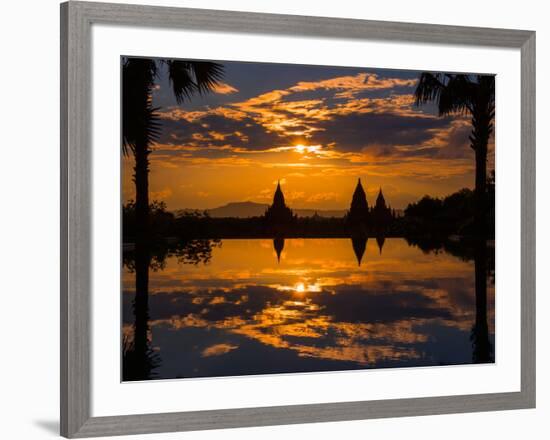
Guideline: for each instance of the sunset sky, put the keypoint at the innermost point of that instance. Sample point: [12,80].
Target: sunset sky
[315,128]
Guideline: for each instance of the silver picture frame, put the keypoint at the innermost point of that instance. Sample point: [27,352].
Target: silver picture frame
[77,19]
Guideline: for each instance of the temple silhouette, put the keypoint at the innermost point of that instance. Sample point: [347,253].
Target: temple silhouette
[358,214]
[381,214]
[279,218]
[360,219]
[278,212]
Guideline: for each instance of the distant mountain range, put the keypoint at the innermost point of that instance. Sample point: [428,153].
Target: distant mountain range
[252,209]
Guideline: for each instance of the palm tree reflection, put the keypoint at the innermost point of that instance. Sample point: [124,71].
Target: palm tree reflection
[139,359]
[480,331]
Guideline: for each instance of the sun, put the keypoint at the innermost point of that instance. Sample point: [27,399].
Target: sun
[304,149]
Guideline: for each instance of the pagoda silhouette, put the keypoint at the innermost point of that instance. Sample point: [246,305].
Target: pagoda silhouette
[361,219]
[358,215]
[381,214]
[278,216]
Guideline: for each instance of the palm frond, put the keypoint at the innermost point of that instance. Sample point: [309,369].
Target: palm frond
[487,86]
[453,93]
[207,75]
[457,96]
[140,122]
[429,88]
[190,77]
[181,79]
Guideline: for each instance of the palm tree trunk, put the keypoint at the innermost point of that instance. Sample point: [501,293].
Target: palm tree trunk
[141,170]
[482,127]
[480,191]
[141,310]
[481,122]
[480,330]
[141,178]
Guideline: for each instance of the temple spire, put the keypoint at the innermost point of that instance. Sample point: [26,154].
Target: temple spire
[359,208]
[380,199]
[278,215]
[381,213]
[278,197]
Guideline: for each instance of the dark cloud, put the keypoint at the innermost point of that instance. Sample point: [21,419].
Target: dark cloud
[356,131]
[217,131]
[353,304]
[344,303]
[382,132]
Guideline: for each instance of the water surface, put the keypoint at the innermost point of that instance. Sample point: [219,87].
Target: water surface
[303,305]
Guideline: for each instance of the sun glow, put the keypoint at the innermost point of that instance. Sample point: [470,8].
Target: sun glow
[305,149]
[301,288]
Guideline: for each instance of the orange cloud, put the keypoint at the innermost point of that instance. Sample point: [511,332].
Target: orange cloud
[163,194]
[351,85]
[218,349]
[295,118]
[224,89]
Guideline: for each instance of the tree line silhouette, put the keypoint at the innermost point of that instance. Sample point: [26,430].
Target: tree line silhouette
[433,217]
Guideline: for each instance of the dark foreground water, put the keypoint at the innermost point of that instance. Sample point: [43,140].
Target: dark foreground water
[232,308]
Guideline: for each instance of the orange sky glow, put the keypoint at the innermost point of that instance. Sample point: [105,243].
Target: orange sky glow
[316,129]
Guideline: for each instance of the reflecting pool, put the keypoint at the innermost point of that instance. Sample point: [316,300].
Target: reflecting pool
[259,306]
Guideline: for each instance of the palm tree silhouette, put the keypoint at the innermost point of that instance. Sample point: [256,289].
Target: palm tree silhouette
[140,120]
[470,94]
[139,360]
[482,349]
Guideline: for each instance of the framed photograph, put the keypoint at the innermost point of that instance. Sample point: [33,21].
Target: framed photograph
[273,219]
